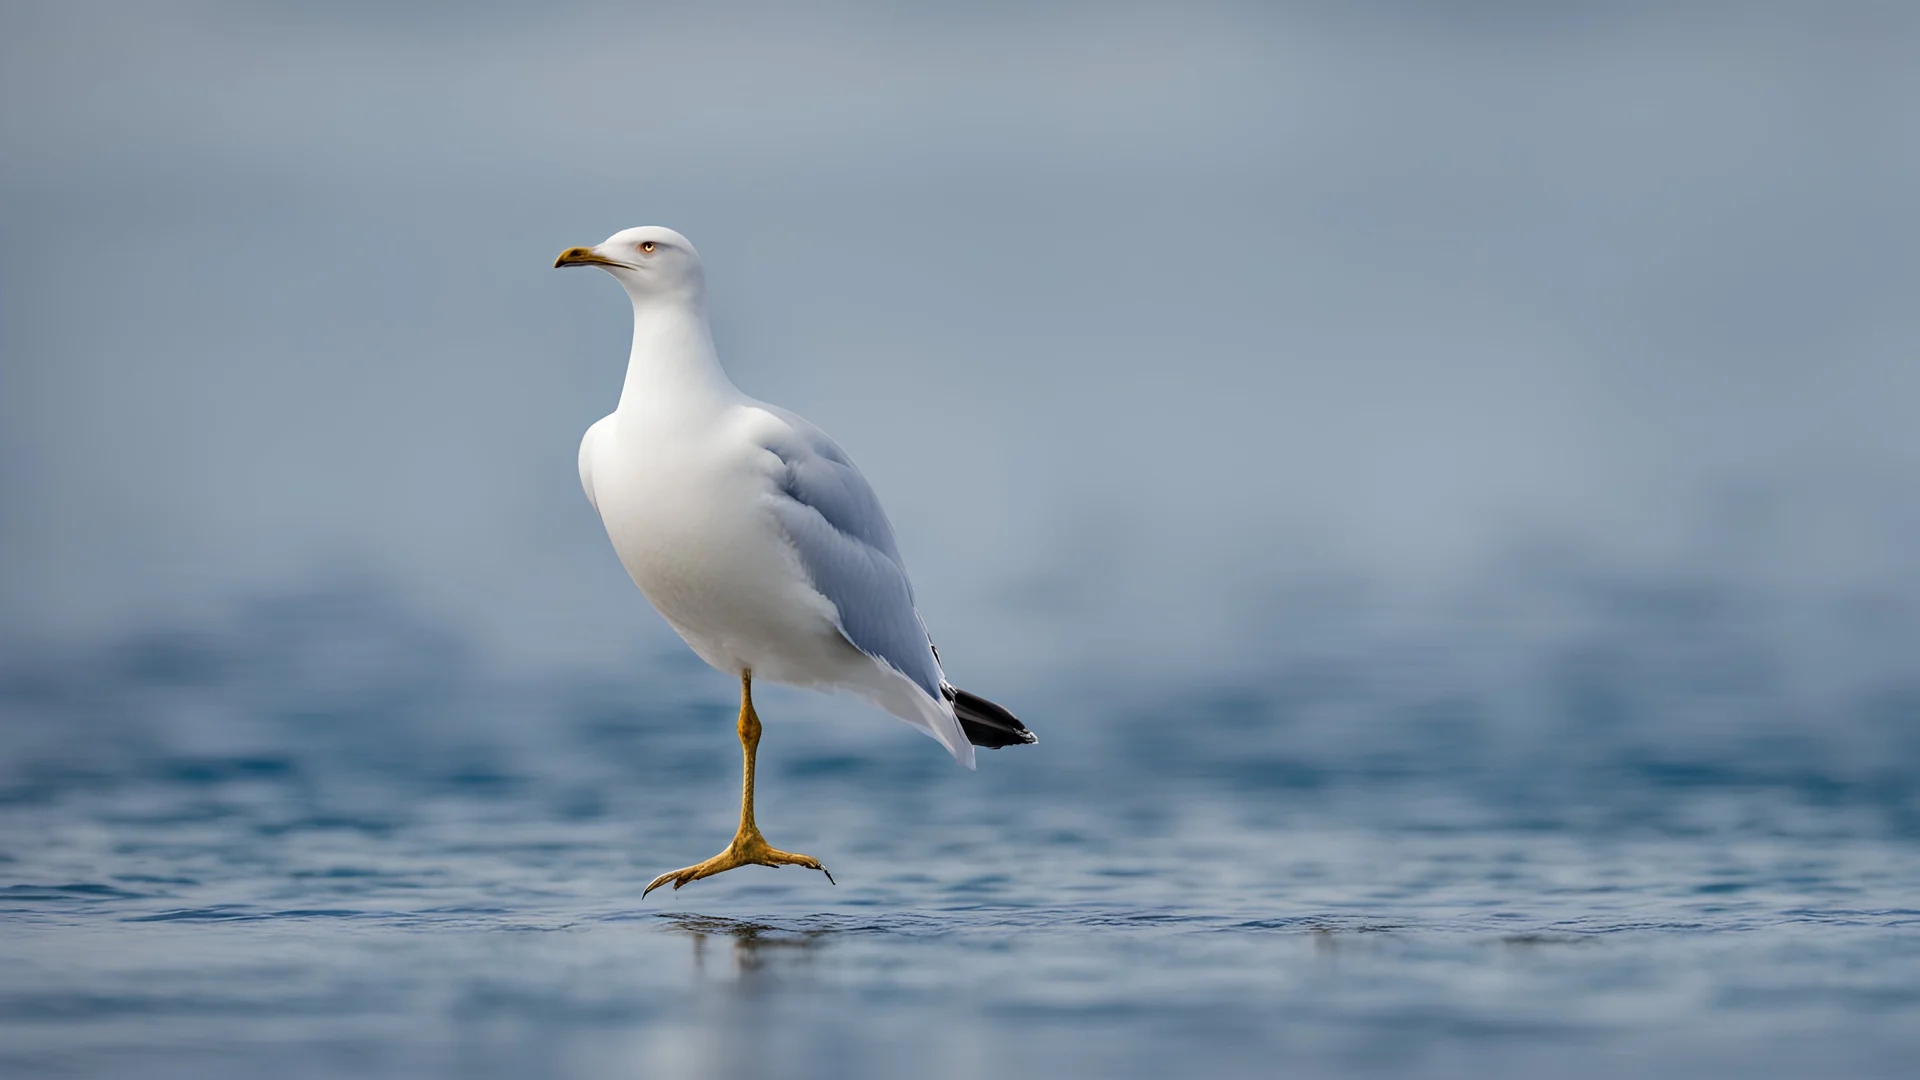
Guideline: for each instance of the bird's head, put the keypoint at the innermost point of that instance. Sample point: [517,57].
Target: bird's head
[649,261]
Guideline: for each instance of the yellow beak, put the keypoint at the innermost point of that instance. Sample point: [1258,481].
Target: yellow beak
[585,257]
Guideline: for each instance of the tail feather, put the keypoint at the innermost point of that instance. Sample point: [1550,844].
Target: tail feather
[984,723]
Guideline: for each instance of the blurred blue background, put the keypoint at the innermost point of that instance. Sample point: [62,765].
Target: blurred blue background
[1441,479]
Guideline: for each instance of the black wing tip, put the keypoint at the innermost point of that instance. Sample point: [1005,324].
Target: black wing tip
[986,724]
[993,738]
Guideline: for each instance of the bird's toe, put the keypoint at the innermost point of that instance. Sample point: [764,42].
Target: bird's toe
[776,857]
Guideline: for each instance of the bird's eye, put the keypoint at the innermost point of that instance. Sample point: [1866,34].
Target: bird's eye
[647,245]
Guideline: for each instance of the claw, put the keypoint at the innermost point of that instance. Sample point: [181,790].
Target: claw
[747,848]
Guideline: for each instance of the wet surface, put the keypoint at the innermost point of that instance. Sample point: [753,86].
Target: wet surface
[368,867]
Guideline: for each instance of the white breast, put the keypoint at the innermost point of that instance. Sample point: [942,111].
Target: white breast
[687,507]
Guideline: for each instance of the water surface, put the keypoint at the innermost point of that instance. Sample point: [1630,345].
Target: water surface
[248,858]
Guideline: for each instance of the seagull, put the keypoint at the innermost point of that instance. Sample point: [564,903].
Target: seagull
[754,535]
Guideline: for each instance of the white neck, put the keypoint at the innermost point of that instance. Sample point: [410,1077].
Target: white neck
[673,366]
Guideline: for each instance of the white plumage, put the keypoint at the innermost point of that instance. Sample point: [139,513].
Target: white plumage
[748,528]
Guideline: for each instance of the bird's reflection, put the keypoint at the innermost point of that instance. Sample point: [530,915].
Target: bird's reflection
[756,951]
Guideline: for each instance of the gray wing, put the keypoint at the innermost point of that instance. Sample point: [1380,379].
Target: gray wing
[846,545]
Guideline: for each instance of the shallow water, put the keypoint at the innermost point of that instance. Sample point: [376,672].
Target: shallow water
[235,860]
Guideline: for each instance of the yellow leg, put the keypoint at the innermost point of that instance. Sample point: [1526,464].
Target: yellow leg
[748,845]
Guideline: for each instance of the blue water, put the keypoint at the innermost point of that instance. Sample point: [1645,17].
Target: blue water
[325,842]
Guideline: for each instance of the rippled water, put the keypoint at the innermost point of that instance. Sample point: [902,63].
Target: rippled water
[243,857]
